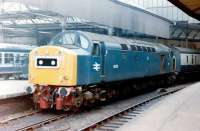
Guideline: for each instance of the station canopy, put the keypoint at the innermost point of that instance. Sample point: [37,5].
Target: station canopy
[16,14]
[18,19]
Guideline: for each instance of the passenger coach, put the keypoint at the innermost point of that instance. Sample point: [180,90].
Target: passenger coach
[14,60]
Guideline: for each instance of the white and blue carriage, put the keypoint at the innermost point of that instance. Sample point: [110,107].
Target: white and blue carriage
[14,60]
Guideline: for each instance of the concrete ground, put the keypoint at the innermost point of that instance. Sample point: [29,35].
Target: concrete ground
[12,88]
[178,112]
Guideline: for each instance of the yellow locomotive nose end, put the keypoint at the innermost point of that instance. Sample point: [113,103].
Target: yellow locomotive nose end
[53,65]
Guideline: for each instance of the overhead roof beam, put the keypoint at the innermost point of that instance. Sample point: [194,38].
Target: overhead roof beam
[196,9]
[184,8]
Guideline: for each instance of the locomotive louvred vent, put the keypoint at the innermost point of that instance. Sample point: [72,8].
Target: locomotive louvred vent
[47,62]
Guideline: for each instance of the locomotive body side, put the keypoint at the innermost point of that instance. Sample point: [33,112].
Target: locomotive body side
[127,64]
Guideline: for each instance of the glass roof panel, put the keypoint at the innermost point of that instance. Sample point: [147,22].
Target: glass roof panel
[6,7]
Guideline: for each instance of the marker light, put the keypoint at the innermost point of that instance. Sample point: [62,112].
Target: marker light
[30,89]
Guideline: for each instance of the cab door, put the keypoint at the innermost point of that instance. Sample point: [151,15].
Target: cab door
[162,64]
[97,63]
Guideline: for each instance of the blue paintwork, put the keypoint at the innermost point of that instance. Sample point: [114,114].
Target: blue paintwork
[83,77]
[133,64]
[117,64]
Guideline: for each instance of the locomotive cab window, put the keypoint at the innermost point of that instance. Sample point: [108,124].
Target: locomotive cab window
[64,39]
[96,49]
[84,43]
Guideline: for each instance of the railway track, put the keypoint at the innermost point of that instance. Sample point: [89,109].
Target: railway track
[120,118]
[42,123]
[16,116]
[99,117]
[32,121]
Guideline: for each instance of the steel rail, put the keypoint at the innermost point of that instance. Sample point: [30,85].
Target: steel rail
[42,123]
[123,112]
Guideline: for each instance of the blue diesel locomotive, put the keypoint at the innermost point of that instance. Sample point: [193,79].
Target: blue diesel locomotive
[76,67]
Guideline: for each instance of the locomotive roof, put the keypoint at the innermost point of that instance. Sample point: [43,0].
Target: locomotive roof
[113,39]
[5,46]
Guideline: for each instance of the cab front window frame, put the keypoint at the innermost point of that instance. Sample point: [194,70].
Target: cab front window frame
[71,39]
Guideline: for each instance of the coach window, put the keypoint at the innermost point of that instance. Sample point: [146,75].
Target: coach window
[192,59]
[195,59]
[96,49]
[9,58]
[17,59]
[1,58]
[187,59]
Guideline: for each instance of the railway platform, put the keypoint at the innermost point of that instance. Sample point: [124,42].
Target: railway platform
[12,88]
[177,112]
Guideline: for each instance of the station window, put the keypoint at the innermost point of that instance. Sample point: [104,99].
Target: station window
[133,47]
[124,46]
[9,58]
[96,49]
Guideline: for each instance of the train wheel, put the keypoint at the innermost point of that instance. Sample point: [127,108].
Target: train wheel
[35,101]
[78,101]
